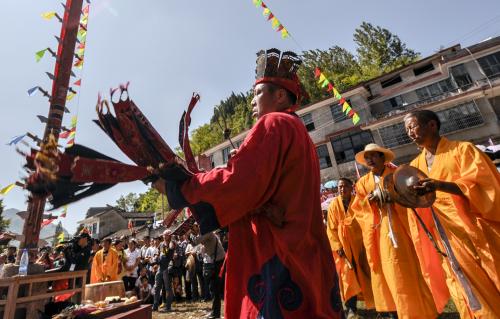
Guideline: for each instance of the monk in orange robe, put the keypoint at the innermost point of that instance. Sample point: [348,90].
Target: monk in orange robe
[467,186]
[397,281]
[349,253]
[105,264]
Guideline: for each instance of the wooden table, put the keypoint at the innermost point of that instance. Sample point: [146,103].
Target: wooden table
[143,312]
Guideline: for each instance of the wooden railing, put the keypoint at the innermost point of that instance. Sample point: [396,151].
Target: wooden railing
[20,289]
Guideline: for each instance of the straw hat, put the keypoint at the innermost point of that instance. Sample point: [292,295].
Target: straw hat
[360,157]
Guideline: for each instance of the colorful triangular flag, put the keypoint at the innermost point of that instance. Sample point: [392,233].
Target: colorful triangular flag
[7,189]
[39,55]
[48,15]
[257,3]
[355,118]
[78,82]
[64,212]
[32,91]
[74,121]
[60,238]
[275,23]
[284,33]
[16,139]
[70,96]
[345,105]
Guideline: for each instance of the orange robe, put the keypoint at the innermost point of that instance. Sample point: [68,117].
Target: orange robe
[397,281]
[471,222]
[344,232]
[104,269]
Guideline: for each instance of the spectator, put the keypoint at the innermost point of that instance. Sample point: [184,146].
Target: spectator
[11,255]
[132,256]
[145,246]
[212,262]
[145,291]
[3,259]
[175,270]
[191,278]
[162,280]
[152,252]
[44,258]
[118,245]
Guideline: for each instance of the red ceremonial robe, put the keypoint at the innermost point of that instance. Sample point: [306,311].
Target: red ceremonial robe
[272,272]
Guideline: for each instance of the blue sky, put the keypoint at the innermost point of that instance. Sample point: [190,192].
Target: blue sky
[168,49]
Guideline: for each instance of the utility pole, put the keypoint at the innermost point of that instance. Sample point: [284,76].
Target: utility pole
[60,86]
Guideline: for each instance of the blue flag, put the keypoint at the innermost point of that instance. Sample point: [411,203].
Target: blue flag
[32,91]
[16,139]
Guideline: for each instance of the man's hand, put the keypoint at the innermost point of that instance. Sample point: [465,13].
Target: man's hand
[426,185]
[341,252]
[233,152]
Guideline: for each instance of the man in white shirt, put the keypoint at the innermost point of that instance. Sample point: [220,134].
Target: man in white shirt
[133,256]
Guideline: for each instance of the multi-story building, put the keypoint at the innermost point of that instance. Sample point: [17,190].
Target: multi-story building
[461,84]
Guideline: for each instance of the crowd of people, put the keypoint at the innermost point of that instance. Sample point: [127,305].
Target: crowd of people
[157,270]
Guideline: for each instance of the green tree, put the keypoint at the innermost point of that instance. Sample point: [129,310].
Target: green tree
[380,51]
[338,64]
[127,202]
[148,201]
[4,223]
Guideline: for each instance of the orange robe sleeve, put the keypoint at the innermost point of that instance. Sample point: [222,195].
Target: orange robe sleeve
[332,228]
[479,181]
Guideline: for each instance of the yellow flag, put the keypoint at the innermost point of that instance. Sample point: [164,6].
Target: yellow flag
[48,15]
[322,78]
[60,238]
[70,96]
[345,106]
[275,23]
[7,189]
[284,33]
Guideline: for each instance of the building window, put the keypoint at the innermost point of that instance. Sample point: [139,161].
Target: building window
[211,159]
[460,117]
[323,156]
[93,229]
[347,145]
[491,65]
[423,69]
[225,154]
[308,121]
[393,103]
[435,89]
[394,135]
[337,114]
[394,80]
[461,76]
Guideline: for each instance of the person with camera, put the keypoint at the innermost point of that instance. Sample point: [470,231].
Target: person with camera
[213,258]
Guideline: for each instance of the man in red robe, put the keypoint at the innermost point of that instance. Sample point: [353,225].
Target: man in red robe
[274,269]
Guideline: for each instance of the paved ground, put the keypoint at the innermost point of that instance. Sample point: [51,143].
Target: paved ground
[201,309]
